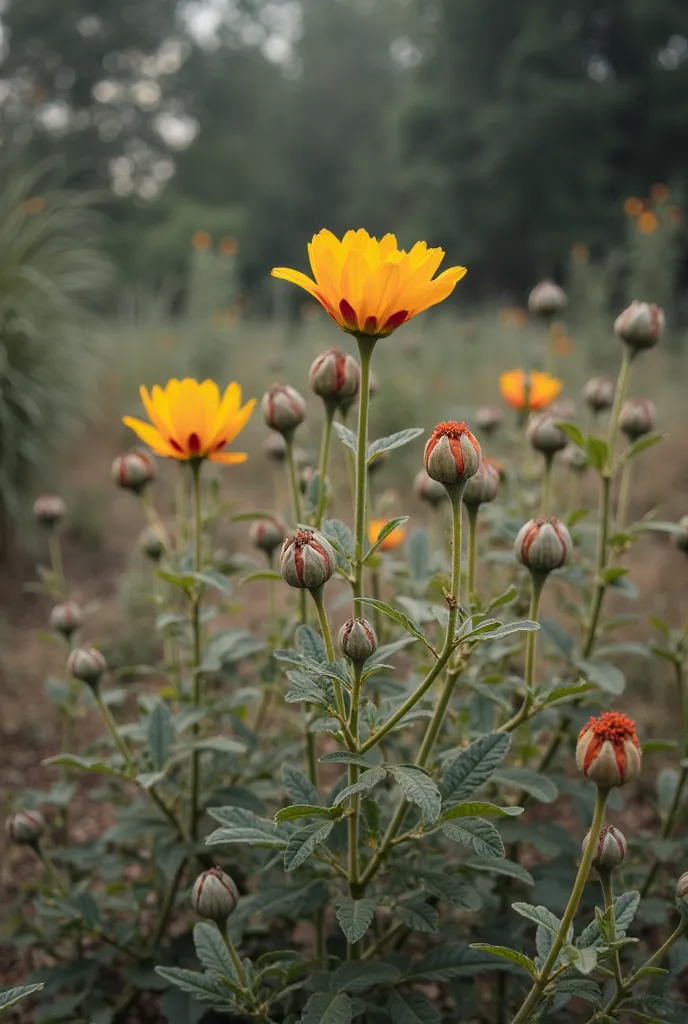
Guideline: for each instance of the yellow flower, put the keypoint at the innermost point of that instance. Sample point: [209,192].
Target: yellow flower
[391,541]
[190,420]
[541,388]
[369,286]
[647,223]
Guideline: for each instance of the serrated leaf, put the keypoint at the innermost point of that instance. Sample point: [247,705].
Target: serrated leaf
[299,786]
[346,436]
[478,809]
[497,866]
[212,951]
[507,954]
[472,767]
[243,826]
[160,735]
[504,629]
[341,536]
[303,842]
[418,916]
[359,975]
[403,620]
[477,834]
[367,781]
[311,645]
[355,916]
[328,1007]
[419,789]
[453,889]
[201,986]
[535,784]
[452,960]
[296,811]
[345,757]
[411,1007]
[12,995]
[540,915]
[397,440]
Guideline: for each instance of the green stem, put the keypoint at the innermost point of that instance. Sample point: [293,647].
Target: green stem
[196,657]
[607,892]
[330,410]
[526,1013]
[624,493]
[297,511]
[318,601]
[365,349]
[437,719]
[353,949]
[109,721]
[392,933]
[51,869]
[656,958]
[472,511]
[546,498]
[166,909]
[234,956]
[56,563]
[378,622]
[537,583]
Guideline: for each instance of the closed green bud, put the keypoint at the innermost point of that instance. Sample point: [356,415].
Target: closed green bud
[357,640]
[214,895]
[610,850]
[25,828]
[87,665]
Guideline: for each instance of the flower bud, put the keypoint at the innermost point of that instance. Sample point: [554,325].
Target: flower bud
[598,393]
[682,894]
[638,417]
[133,471]
[357,640]
[562,409]
[65,618]
[608,752]
[25,828]
[283,408]
[266,534]
[546,299]
[428,489]
[307,560]
[610,851]
[49,510]
[575,458]
[545,436]
[543,544]
[640,325]
[483,486]
[681,538]
[275,447]
[87,665]
[335,377]
[489,418]
[452,455]
[214,895]
[153,543]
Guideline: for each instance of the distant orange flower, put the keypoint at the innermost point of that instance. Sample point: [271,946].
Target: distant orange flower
[647,223]
[392,540]
[513,316]
[659,192]
[580,252]
[34,204]
[633,206]
[562,344]
[675,215]
[540,387]
[228,246]
[201,241]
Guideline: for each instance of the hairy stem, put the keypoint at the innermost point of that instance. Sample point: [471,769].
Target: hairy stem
[234,956]
[196,655]
[537,583]
[527,1011]
[472,511]
[655,959]
[607,892]
[365,350]
[546,496]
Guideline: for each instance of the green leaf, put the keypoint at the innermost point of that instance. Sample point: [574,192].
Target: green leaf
[388,528]
[411,1007]
[472,767]
[452,960]
[311,645]
[182,581]
[419,789]
[540,915]
[479,835]
[243,826]
[355,916]
[85,764]
[296,811]
[299,786]
[345,757]
[507,954]
[605,675]
[573,432]
[216,580]
[328,1007]
[497,866]
[212,951]
[583,960]
[262,574]
[160,735]
[562,693]
[597,451]
[12,995]
[656,526]
[346,436]
[386,444]
[403,620]
[647,441]
[582,989]
[302,843]
[509,595]
[419,916]
[535,784]
[574,517]
[203,987]
[305,688]
[478,809]
[341,537]
[452,889]
[367,781]
[504,629]
[359,975]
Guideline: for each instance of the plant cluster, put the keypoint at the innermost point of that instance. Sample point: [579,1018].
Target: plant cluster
[374,807]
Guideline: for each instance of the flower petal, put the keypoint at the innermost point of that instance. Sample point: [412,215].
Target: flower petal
[150,436]
[228,458]
[238,421]
[295,277]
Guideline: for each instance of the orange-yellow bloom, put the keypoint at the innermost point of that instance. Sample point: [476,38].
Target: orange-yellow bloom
[369,286]
[189,420]
[540,387]
[392,540]
[647,223]
[633,206]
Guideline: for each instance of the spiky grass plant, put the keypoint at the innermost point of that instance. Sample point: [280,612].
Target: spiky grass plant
[52,273]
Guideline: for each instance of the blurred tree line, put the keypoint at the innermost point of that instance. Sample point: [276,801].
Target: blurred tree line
[505,130]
